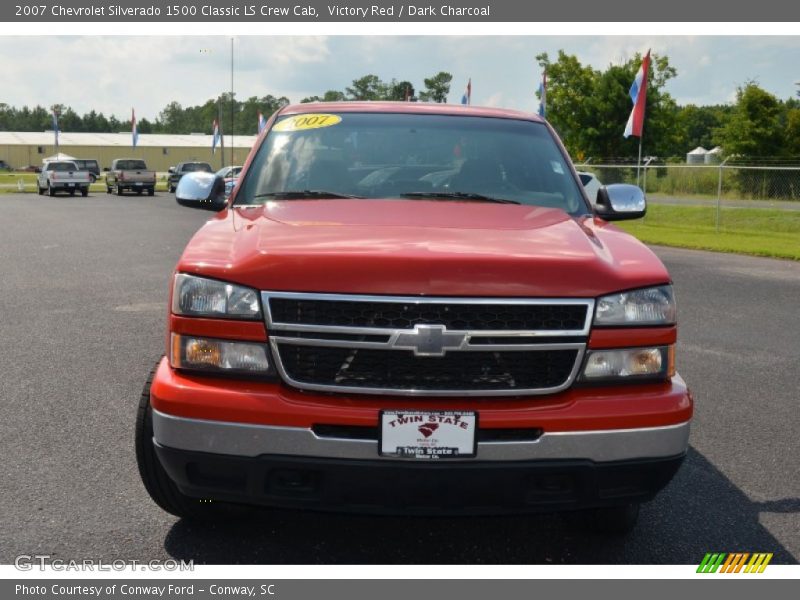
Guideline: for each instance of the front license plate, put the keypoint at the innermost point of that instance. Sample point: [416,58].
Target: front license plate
[428,434]
[138,183]
[70,185]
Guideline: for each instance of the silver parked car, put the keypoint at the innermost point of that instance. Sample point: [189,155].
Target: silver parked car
[591,184]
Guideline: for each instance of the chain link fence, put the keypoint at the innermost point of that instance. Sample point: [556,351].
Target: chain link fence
[721,188]
[726,180]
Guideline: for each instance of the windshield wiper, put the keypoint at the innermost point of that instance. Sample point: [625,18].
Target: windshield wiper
[458,196]
[300,194]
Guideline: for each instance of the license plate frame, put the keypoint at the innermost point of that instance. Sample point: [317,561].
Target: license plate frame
[425,434]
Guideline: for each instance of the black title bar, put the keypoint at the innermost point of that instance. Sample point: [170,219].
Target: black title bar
[215,11]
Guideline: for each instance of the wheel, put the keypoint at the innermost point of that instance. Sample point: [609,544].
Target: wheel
[151,191]
[50,190]
[119,190]
[139,192]
[108,189]
[155,479]
[72,192]
[85,192]
[38,189]
[171,188]
[609,520]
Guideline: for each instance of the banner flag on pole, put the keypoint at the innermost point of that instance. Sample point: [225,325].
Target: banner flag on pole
[134,129]
[467,97]
[262,122]
[215,139]
[638,93]
[55,127]
[543,95]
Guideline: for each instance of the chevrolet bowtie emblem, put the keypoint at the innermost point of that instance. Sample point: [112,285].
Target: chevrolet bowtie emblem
[429,340]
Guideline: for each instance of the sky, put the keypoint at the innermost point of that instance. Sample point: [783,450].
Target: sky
[116,73]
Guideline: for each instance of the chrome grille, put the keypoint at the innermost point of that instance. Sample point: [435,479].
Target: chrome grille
[404,315]
[427,346]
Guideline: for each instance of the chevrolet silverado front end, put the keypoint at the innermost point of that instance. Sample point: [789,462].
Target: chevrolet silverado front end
[414,309]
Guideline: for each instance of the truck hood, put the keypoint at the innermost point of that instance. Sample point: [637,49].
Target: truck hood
[413,247]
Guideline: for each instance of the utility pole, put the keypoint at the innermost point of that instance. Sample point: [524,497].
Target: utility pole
[222,131]
[233,105]
[56,109]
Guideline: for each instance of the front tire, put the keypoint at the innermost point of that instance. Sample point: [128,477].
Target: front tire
[50,191]
[155,479]
[119,190]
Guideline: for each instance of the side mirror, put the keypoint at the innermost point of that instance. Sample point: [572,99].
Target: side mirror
[201,190]
[171,170]
[619,202]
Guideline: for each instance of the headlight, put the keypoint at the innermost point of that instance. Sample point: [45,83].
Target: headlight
[200,297]
[650,306]
[205,354]
[629,363]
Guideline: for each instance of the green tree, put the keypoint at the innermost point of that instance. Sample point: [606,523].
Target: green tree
[172,119]
[6,117]
[400,90]
[698,124]
[754,128]
[329,96]
[248,116]
[70,121]
[436,88]
[793,132]
[369,87]
[589,107]
[143,125]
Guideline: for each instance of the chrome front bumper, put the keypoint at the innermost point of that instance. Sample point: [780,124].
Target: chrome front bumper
[248,440]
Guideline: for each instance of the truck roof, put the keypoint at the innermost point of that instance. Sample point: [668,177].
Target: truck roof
[424,108]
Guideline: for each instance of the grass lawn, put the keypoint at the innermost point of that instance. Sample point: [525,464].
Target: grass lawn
[756,231]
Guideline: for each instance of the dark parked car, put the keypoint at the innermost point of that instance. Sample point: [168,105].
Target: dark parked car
[175,173]
[4,166]
[89,164]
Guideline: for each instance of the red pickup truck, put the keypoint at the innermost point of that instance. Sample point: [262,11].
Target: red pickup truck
[414,308]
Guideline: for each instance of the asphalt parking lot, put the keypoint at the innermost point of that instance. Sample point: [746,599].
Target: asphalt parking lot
[82,316]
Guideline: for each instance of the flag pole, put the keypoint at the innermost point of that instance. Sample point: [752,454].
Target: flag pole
[222,136]
[639,162]
[233,107]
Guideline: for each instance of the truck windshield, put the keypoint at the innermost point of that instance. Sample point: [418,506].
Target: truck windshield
[431,157]
[131,165]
